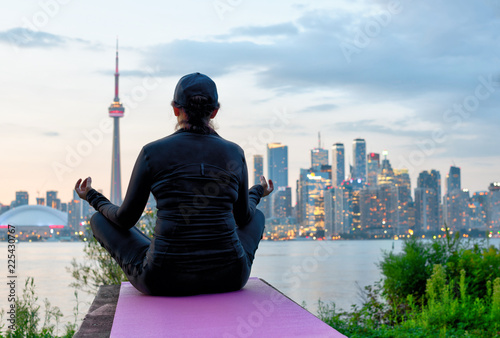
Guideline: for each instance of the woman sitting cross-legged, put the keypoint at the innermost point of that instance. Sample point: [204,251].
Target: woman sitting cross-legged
[207,228]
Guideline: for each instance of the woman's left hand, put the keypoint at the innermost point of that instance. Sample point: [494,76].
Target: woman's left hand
[268,187]
[84,188]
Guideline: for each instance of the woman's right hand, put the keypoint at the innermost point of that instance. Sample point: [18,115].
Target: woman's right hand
[84,188]
[268,187]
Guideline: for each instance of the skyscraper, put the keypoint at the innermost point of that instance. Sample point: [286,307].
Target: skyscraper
[453,180]
[427,201]
[455,201]
[344,208]
[277,162]
[319,156]
[373,166]
[258,168]
[283,202]
[116,111]
[494,206]
[386,174]
[478,210]
[379,204]
[310,195]
[359,159]
[52,200]
[258,171]
[338,164]
[403,184]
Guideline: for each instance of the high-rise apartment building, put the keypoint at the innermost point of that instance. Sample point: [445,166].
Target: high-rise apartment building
[453,180]
[455,201]
[373,168]
[494,206]
[258,168]
[283,202]
[22,198]
[478,210]
[338,164]
[310,194]
[345,208]
[427,201]
[405,201]
[52,200]
[75,214]
[359,160]
[379,204]
[329,202]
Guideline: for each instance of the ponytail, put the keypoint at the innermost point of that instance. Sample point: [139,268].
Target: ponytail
[198,110]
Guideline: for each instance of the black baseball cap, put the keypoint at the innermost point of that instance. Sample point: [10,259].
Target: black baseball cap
[195,84]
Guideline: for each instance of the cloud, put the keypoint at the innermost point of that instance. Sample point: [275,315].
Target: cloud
[283,29]
[401,128]
[402,59]
[27,38]
[426,57]
[23,37]
[22,129]
[326,107]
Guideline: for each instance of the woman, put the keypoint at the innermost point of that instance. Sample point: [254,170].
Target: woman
[207,228]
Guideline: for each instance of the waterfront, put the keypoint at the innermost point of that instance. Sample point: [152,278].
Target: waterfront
[305,271]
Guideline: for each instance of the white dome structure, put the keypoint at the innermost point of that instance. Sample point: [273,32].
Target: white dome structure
[34,215]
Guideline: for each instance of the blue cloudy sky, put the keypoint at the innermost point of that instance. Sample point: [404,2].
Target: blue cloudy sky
[420,79]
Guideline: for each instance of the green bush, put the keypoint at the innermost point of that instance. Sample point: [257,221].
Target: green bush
[28,316]
[441,288]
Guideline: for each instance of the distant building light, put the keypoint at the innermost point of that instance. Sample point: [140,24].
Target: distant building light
[313,177]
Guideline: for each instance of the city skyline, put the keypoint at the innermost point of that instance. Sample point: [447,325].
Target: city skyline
[381,209]
[417,79]
[282,149]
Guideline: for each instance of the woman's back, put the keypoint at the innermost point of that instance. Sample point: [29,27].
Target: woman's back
[195,176]
[196,180]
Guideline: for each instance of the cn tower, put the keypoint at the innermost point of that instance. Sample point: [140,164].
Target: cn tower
[116,111]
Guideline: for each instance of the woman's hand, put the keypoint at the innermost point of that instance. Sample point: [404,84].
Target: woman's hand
[84,188]
[268,187]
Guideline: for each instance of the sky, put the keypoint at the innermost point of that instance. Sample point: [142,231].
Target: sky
[418,79]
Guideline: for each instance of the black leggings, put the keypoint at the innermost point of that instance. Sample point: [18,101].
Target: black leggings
[129,249]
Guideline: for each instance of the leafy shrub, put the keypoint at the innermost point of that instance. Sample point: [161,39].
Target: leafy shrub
[446,287]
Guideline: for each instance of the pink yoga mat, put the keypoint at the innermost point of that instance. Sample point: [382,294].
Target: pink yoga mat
[258,310]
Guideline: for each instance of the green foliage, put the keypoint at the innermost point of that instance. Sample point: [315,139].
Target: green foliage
[28,316]
[495,301]
[407,273]
[439,288]
[98,267]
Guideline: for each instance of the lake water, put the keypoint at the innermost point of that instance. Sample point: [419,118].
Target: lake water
[305,271]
